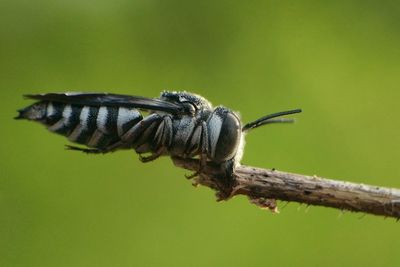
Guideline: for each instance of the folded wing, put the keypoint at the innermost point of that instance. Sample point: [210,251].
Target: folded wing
[111,100]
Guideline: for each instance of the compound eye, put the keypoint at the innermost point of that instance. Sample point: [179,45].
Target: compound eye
[229,138]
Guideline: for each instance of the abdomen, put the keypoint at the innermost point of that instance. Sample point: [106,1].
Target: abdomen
[95,127]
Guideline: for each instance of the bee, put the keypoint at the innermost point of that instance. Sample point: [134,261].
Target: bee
[178,124]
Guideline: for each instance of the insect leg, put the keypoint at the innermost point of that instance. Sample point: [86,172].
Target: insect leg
[162,139]
[193,146]
[228,168]
[134,134]
[204,151]
[86,150]
[204,146]
[152,157]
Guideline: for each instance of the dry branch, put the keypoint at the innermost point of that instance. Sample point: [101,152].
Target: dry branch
[264,186]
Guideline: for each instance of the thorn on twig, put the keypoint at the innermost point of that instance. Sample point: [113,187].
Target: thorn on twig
[285,205]
[307,209]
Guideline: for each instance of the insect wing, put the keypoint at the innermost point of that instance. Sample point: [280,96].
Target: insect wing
[111,100]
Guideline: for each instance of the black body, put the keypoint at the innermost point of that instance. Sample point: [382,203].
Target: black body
[178,124]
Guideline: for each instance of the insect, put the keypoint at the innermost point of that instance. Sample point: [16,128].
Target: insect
[177,124]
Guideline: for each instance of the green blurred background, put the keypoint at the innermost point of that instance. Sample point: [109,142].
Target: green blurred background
[338,60]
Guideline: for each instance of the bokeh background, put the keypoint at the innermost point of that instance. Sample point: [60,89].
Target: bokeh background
[338,60]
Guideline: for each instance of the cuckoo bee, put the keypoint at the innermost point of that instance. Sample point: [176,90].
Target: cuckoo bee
[177,124]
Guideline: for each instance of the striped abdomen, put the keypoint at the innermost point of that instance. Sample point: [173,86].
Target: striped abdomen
[92,126]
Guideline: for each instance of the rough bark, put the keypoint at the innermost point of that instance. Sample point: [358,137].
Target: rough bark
[264,186]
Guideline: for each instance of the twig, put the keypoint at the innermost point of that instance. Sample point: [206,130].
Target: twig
[263,186]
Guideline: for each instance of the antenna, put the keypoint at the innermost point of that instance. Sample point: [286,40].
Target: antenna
[270,119]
